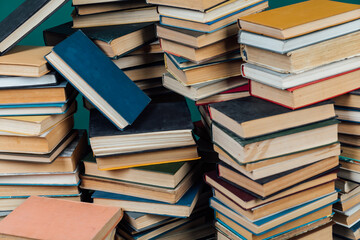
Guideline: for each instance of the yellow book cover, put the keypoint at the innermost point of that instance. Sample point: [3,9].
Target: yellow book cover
[301,18]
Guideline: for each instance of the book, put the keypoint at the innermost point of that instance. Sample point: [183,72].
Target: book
[33,125]
[138,15]
[289,80]
[52,179]
[252,117]
[347,199]
[275,144]
[264,226]
[202,90]
[86,9]
[67,161]
[145,72]
[167,175]
[39,157]
[12,82]
[182,209]
[216,24]
[112,40]
[353,176]
[231,94]
[323,232]
[11,203]
[191,74]
[349,139]
[345,186]
[34,222]
[158,193]
[42,144]
[84,2]
[144,221]
[306,94]
[270,185]
[288,45]
[300,18]
[138,60]
[268,167]
[44,94]
[350,100]
[199,55]
[25,18]
[349,128]
[85,77]
[227,8]
[194,38]
[305,58]
[348,217]
[348,114]
[161,126]
[344,232]
[248,201]
[195,5]
[25,61]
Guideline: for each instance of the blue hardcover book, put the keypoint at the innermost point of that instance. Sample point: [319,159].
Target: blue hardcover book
[93,74]
[181,209]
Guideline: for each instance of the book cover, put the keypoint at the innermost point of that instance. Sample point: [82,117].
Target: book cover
[157,117]
[15,23]
[102,76]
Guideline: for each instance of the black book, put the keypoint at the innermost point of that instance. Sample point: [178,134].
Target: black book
[24,19]
[252,117]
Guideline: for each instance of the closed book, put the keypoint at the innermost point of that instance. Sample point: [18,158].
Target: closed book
[308,94]
[25,61]
[35,218]
[301,18]
[239,115]
[199,5]
[182,209]
[350,100]
[288,45]
[112,40]
[12,82]
[24,19]
[86,9]
[162,125]
[83,65]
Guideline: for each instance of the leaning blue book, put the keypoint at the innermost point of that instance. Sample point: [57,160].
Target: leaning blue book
[99,80]
[182,209]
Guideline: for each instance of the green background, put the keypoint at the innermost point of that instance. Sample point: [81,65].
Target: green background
[63,15]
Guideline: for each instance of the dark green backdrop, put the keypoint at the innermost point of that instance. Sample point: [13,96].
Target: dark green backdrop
[63,15]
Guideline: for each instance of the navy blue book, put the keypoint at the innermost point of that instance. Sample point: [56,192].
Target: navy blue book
[99,80]
[183,208]
[113,40]
[24,19]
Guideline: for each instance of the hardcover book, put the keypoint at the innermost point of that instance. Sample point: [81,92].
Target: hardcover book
[96,76]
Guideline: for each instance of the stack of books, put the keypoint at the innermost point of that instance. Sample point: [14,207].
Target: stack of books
[269,181]
[201,53]
[90,13]
[278,168]
[39,150]
[347,211]
[46,218]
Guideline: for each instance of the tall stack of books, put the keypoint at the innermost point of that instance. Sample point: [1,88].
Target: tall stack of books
[201,51]
[269,182]
[39,150]
[347,209]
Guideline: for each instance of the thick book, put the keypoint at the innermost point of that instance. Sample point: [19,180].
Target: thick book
[182,209]
[24,19]
[35,218]
[306,58]
[216,24]
[289,80]
[275,144]
[91,72]
[161,125]
[199,5]
[288,45]
[112,40]
[86,9]
[203,90]
[350,100]
[310,93]
[190,73]
[300,18]
[228,8]
[251,117]
[25,61]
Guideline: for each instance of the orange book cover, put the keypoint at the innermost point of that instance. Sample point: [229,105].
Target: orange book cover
[49,218]
[295,15]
